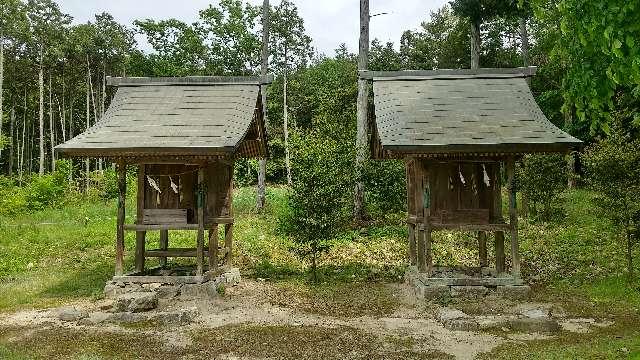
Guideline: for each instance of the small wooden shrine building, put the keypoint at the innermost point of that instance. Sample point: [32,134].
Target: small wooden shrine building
[456,129]
[183,135]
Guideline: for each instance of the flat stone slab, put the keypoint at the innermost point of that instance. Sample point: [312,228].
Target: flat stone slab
[136,302]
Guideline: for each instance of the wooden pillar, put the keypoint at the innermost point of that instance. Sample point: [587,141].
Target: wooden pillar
[164,245]
[213,248]
[497,210]
[140,235]
[411,210]
[201,206]
[422,228]
[513,223]
[228,229]
[482,249]
[122,199]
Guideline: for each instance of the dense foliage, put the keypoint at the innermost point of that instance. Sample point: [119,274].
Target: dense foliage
[542,178]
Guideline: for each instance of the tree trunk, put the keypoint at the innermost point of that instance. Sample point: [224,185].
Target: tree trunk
[1,82]
[21,147]
[41,111]
[86,161]
[12,143]
[52,131]
[363,111]
[476,43]
[262,171]
[524,38]
[286,122]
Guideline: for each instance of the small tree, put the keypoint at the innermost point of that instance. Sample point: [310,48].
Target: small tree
[613,170]
[321,195]
[542,178]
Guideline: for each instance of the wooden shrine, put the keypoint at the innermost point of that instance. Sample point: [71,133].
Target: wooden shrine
[183,135]
[457,130]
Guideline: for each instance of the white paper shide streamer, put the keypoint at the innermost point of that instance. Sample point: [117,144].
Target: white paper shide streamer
[487,180]
[153,184]
[174,187]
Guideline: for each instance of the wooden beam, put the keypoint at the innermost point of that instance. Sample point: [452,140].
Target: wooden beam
[122,200]
[497,217]
[501,281]
[471,227]
[513,215]
[190,80]
[419,201]
[201,206]
[164,245]
[213,247]
[413,218]
[140,235]
[228,228]
[482,249]
[135,227]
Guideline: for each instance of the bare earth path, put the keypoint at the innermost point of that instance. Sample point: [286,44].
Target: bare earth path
[257,320]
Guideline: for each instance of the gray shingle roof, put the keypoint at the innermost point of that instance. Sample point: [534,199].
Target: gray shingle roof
[172,116]
[458,112]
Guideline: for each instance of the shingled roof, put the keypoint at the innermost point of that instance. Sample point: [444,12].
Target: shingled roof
[192,116]
[487,111]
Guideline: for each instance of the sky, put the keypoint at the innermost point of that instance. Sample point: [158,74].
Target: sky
[329,22]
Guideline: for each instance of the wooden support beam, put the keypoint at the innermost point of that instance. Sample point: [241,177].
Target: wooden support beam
[228,243]
[140,235]
[413,219]
[122,200]
[164,245]
[213,247]
[482,248]
[201,206]
[498,218]
[412,244]
[428,248]
[419,179]
[513,215]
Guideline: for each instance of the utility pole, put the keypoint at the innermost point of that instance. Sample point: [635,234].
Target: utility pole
[363,110]
[262,171]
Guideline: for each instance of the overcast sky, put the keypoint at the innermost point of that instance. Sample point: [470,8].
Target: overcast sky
[329,22]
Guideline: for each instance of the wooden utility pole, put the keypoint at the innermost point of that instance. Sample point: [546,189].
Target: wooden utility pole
[363,110]
[262,172]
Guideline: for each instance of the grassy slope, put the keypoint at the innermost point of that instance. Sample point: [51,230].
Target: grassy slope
[61,255]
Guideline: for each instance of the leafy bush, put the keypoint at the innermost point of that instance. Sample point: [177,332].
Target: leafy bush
[321,198]
[613,170]
[542,178]
[386,187]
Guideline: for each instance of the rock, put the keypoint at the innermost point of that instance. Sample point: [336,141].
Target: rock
[95,319]
[151,287]
[105,305]
[71,314]
[492,322]
[112,291]
[168,292]
[180,318]
[207,290]
[124,317]
[232,277]
[433,292]
[536,314]
[136,302]
[541,325]
[513,292]
[469,292]
[448,314]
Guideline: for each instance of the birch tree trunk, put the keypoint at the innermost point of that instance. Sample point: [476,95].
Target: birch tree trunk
[476,43]
[52,132]
[1,81]
[41,111]
[21,147]
[262,171]
[86,161]
[12,143]
[286,120]
[363,111]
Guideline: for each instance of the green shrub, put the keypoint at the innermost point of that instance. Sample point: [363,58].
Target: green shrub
[386,187]
[613,170]
[541,178]
[320,201]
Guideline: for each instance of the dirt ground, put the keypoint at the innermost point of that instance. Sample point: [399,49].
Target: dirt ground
[261,320]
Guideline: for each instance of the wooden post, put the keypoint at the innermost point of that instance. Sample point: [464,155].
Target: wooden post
[228,243]
[213,248]
[482,249]
[262,171]
[122,199]
[411,197]
[201,206]
[164,245]
[497,204]
[140,235]
[363,110]
[423,227]
[513,214]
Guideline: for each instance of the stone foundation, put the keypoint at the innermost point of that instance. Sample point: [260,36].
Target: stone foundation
[132,297]
[469,284]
